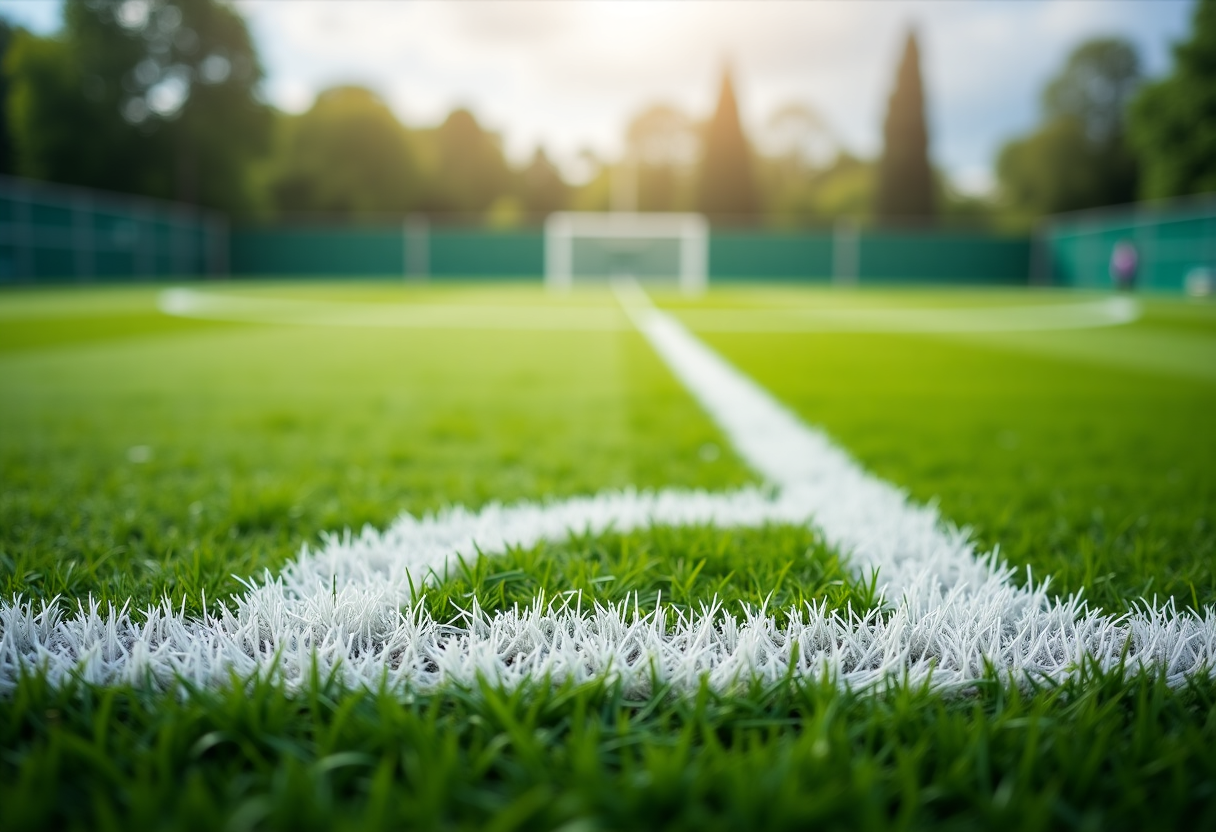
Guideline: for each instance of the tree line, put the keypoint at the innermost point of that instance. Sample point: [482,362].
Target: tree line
[160,97]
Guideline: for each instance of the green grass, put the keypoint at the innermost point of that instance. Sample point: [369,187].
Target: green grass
[260,438]
[1086,455]
[783,567]
[1101,754]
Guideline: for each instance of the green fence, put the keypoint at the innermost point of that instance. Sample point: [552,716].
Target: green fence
[940,257]
[387,251]
[757,255]
[845,255]
[849,254]
[1172,239]
[54,233]
[319,251]
[464,252]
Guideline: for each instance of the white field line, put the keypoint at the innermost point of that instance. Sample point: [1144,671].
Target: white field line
[191,303]
[350,608]
[1036,318]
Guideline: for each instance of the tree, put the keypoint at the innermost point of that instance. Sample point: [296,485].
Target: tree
[1051,170]
[1078,157]
[1173,122]
[7,154]
[799,138]
[906,187]
[844,190]
[144,96]
[470,172]
[347,156]
[798,147]
[1095,87]
[727,183]
[542,186]
[662,144]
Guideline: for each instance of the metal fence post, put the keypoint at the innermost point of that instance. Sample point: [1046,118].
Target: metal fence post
[846,252]
[1040,257]
[85,260]
[417,247]
[23,244]
[218,251]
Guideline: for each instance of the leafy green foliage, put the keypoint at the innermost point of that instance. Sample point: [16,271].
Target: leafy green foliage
[663,145]
[1174,120]
[1094,88]
[1078,157]
[843,189]
[155,99]
[7,153]
[542,186]
[348,156]
[470,171]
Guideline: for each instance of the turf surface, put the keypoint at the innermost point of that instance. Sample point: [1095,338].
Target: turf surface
[1088,455]
[144,455]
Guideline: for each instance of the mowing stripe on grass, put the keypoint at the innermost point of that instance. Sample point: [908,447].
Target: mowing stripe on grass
[1037,318]
[190,303]
[351,608]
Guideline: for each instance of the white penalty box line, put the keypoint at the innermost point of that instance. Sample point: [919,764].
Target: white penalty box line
[353,608]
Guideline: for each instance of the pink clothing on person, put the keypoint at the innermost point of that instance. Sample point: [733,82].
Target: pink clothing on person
[1124,261]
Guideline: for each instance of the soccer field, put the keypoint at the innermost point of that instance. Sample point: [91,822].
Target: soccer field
[541,657]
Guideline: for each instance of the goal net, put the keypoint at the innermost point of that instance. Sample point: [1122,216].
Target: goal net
[650,247]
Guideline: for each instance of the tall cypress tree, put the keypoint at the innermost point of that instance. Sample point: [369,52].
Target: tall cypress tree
[905,179]
[728,186]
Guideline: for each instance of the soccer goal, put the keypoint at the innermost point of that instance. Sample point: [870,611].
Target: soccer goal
[649,247]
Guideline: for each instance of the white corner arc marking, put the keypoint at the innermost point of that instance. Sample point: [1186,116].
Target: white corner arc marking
[349,608]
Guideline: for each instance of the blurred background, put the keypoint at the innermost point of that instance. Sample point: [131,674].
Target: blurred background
[817,127]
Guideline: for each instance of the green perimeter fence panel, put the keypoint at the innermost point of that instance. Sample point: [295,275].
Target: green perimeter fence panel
[319,251]
[466,252]
[53,233]
[1172,240]
[849,254]
[738,255]
[935,257]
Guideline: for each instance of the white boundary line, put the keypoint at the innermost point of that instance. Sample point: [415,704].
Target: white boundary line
[1114,311]
[191,303]
[349,608]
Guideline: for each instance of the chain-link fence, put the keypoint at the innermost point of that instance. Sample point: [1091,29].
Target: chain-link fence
[1174,244]
[56,233]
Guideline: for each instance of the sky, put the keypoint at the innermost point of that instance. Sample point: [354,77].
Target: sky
[568,75]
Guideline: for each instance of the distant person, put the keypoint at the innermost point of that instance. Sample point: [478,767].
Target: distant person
[1124,261]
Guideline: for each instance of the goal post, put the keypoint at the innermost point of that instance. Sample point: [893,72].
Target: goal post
[649,247]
